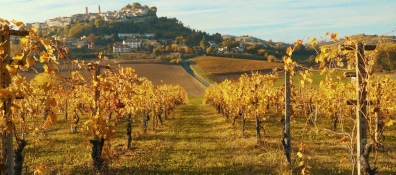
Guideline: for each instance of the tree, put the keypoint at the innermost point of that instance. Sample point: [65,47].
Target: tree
[180,40]
[136,5]
[153,9]
[271,58]
[99,22]
[209,50]
[188,50]
[167,48]
[91,38]
[386,58]
[202,44]
[251,49]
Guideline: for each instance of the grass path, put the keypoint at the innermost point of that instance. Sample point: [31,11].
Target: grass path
[194,141]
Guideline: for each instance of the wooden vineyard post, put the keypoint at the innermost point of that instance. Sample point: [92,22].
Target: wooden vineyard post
[286,121]
[361,121]
[5,80]
[361,103]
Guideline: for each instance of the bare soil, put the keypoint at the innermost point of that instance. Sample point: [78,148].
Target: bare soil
[160,73]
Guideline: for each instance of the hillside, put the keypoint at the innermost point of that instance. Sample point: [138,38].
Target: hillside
[218,69]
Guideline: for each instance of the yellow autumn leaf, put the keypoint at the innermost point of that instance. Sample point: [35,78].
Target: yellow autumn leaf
[19,56]
[24,41]
[289,51]
[303,171]
[324,70]
[289,60]
[33,30]
[12,69]
[347,38]
[313,42]
[388,122]
[17,23]
[299,154]
[100,55]
[301,163]
[334,36]
[44,57]
[297,43]
[340,64]
[309,80]
[1,50]
[48,69]
[326,34]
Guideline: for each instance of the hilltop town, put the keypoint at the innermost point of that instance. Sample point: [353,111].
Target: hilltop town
[134,12]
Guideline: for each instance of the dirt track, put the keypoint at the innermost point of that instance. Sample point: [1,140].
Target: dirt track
[168,74]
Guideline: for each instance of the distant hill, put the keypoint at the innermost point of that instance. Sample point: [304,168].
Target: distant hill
[244,38]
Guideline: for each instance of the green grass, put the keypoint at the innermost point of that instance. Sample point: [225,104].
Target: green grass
[197,140]
[316,78]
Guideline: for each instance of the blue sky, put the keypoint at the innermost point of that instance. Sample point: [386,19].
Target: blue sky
[279,20]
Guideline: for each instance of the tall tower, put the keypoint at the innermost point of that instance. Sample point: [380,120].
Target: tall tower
[86,12]
[99,9]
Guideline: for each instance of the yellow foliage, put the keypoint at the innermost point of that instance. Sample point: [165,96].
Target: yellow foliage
[12,69]
[40,170]
[301,163]
[48,69]
[19,56]
[299,154]
[313,42]
[388,122]
[18,23]
[334,36]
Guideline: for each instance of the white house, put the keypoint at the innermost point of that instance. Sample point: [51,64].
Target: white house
[133,43]
[79,43]
[119,47]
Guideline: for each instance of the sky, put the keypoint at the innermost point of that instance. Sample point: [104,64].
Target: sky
[278,20]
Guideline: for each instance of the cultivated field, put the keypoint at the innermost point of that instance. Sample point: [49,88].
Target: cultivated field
[167,74]
[218,69]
